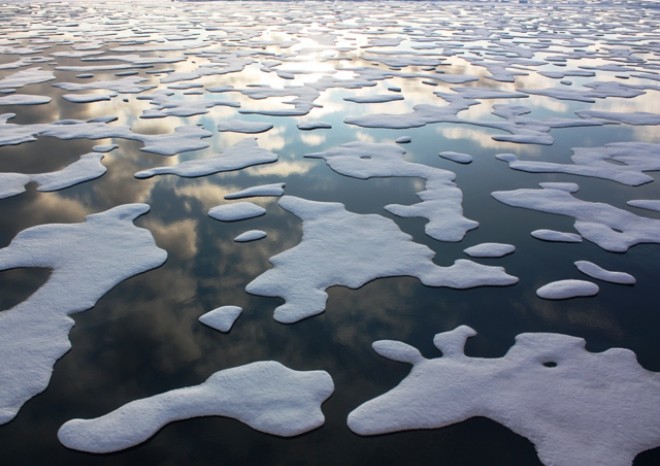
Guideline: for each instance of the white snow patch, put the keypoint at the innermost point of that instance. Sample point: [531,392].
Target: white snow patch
[490,250]
[250,235]
[243,126]
[648,204]
[221,318]
[458,157]
[271,190]
[236,211]
[24,99]
[558,236]
[566,289]
[596,271]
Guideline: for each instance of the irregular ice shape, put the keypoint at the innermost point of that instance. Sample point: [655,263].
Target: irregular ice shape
[441,199]
[87,259]
[25,77]
[599,90]
[312,124]
[89,98]
[576,407]
[624,162]
[403,140]
[125,85]
[343,248]
[490,250]
[374,99]
[265,395]
[458,157]
[251,235]
[272,190]
[236,211]
[649,204]
[242,126]
[566,289]
[611,228]
[559,236]
[24,99]
[244,153]
[88,167]
[629,118]
[596,271]
[222,318]
[184,139]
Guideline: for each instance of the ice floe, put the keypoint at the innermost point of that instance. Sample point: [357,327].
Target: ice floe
[441,199]
[566,289]
[557,236]
[348,249]
[87,259]
[24,99]
[458,157]
[648,204]
[596,271]
[265,395]
[575,406]
[243,126]
[236,211]
[250,235]
[611,228]
[490,250]
[272,190]
[244,153]
[25,77]
[222,318]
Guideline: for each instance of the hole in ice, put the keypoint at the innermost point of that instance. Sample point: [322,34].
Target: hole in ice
[550,364]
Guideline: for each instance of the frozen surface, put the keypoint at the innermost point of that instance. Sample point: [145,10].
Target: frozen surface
[557,236]
[250,235]
[243,126]
[265,395]
[596,271]
[343,248]
[573,405]
[648,204]
[24,99]
[441,200]
[236,211]
[273,190]
[490,250]
[222,318]
[458,157]
[87,259]
[245,153]
[566,289]
[611,228]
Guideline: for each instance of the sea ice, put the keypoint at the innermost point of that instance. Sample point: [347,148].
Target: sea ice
[559,236]
[87,259]
[648,204]
[222,318]
[244,153]
[310,125]
[458,157]
[576,407]
[629,118]
[25,77]
[374,99]
[236,211]
[126,85]
[243,126]
[566,289]
[265,395]
[441,199]
[270,190]
[596,271]
[611,228]
[348,249]
[490,250]
[89,98]
[250,235]
[24,99]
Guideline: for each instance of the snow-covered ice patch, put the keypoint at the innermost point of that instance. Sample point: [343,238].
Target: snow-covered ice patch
[458,157]
[221,318]
[271,190]
[265,395]
[557,236]
[236,211]
[250,235]
[596,271]
[648,204]
[566,289]
[490,250]
[243,126]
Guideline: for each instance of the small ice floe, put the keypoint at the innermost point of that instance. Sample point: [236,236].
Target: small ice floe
[403,140]
[245,153]
[88,167]
[87,259]
[125,85]
[648,204]
[566,289]
[348,249]
[597,90]
[89,98]
[596,271]
[26,77]
[265,395]
[490,250]
[312,125]
[24,99]
[557,236]
[244,126]
[458,157]
[611,228]
[269,190]
[221,318]
[575,406]
[183,139]
[250,235]
[236,211]
[374,99]
[167,103]
[628,118]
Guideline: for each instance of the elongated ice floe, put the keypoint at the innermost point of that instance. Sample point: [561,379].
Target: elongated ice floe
[273,190]
[265,395]
[566,289]
[245,153]
[558,236]
[87,259]
[575,406]
[648,204]
[611,228]
[348,249]
[441,200]
[236,211]
[24,99]
[458,157]
[88,167]
[624,162]
[490,250]
[250,235]
[221,318]
[596,271]
[243,126]
[25,77]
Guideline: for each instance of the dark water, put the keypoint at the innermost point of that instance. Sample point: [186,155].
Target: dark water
[143,336]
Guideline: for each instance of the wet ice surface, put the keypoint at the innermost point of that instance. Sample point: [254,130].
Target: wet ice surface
[391,96]
[590,425]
